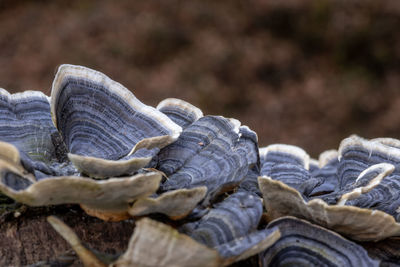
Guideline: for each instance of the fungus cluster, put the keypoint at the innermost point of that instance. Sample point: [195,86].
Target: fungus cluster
[93,143]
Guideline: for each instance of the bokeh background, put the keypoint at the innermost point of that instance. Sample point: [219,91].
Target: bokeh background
[308,73]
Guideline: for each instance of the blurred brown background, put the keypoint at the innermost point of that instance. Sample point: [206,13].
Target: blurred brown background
[307,73]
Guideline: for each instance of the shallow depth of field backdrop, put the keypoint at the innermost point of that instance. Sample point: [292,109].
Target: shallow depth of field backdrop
[307,73]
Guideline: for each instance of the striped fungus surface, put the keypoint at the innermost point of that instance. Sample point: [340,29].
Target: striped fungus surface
[355,222]
[326,173]
[368,175]
[230,226]
[107,130]
[213,151]
[211,156]
[357,154]
[288,164]
[99,126]
[385,196]
[305,244]
[25,122]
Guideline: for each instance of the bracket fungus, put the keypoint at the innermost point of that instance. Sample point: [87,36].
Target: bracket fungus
[358,223]
[326,173]
[202,179]
[25,122]
[176,204]
[364,173]
[304,244]
[110,196]
[107,130]
[211,156]
[209,152]
[282,153]
[289,164]
[180,111]
[230,227]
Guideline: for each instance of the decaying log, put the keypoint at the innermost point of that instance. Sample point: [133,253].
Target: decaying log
[27,238]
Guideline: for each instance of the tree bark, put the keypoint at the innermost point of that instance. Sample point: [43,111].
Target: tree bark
[27,238]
